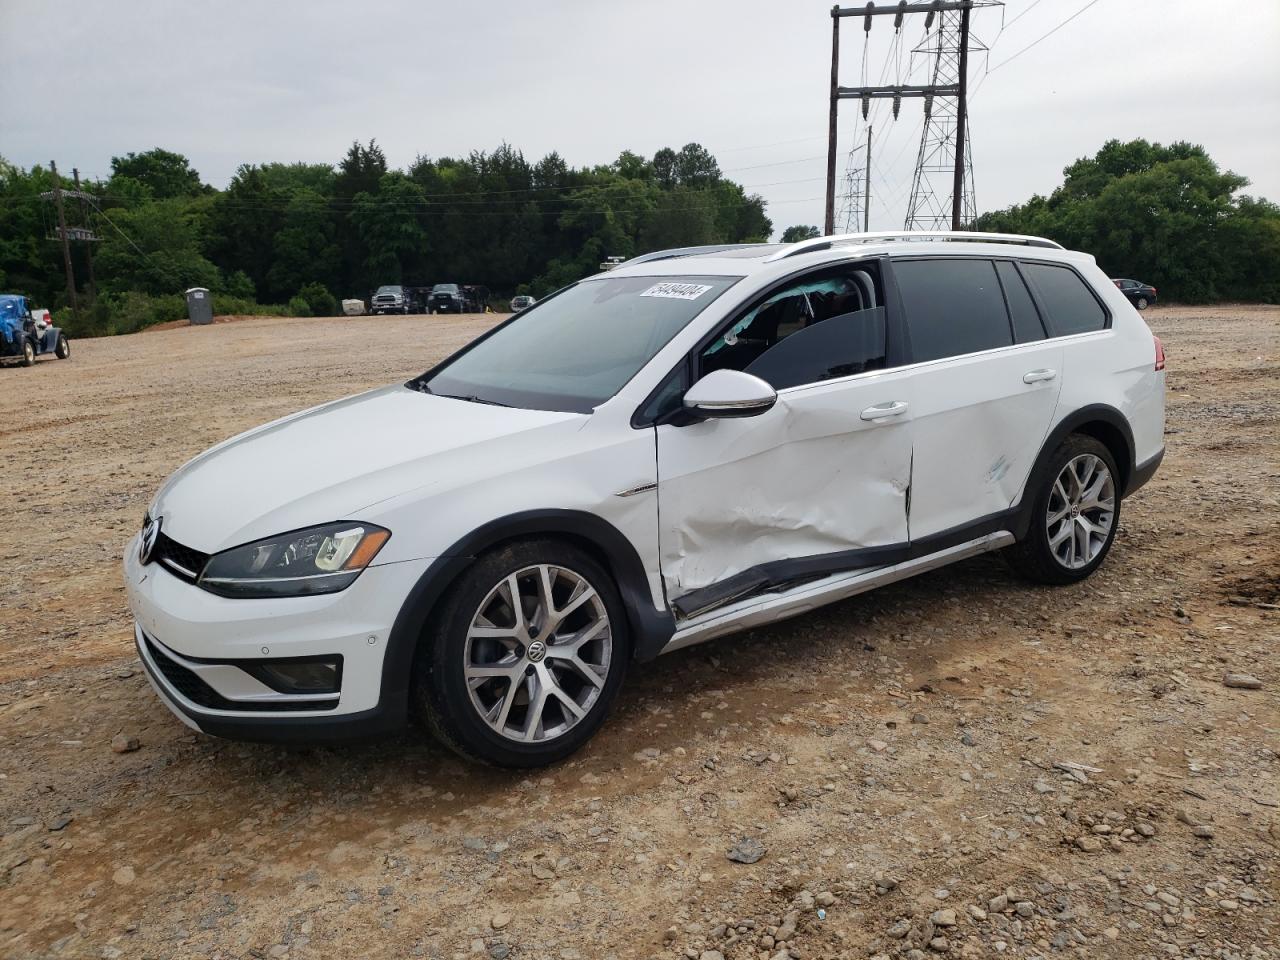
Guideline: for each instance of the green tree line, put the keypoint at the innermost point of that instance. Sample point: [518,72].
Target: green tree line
[303,235]
[1168,216]
[294,238]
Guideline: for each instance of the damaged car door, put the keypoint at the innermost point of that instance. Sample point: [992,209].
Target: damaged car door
[985,386]
[816,483]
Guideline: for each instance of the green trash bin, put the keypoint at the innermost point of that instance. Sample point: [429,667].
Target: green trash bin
[199,305]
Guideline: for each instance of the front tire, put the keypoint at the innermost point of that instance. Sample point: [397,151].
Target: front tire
[28,353]
[525,657]
[63,349]
[1074,516]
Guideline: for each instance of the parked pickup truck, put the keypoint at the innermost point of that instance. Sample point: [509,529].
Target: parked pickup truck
[392,298]
[448,298]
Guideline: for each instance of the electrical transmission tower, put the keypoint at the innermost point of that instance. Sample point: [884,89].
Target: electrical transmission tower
[856,205]
[943,145]
[939,176]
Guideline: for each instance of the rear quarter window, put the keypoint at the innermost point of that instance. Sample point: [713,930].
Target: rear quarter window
[1070,304]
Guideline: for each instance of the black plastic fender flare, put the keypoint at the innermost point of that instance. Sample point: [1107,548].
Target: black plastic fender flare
[1071,423]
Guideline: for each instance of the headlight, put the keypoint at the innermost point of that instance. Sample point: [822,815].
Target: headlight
[300,563]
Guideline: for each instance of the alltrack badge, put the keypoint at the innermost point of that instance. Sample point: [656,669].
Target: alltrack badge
[150,533]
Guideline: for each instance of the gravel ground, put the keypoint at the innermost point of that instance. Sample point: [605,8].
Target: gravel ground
[960,765]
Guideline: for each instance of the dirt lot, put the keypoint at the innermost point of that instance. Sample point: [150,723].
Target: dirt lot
[895,755]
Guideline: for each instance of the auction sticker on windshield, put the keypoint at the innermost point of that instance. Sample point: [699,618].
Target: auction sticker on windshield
[677,291]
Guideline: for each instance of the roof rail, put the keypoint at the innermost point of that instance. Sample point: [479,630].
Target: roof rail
[675,252]
[902,236]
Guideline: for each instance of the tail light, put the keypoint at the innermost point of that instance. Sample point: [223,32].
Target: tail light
[1159,353]
[1153,291]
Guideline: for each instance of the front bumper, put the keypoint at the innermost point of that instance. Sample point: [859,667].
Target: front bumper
[194,646]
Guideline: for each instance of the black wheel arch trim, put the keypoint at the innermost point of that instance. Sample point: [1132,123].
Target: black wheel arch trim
[650,628]
[1076,422]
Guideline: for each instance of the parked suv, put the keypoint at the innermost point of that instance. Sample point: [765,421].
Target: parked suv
[696,442]
[1140,294]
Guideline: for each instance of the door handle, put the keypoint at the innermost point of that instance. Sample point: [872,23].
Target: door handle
[1035,376]
[882,411]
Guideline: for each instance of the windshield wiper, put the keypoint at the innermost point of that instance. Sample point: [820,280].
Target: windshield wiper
[472,398]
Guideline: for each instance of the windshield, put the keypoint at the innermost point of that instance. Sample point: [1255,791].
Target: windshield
[389,290]
[445,288]
[575,350]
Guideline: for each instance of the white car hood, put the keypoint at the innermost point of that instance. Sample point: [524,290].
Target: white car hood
[330,462]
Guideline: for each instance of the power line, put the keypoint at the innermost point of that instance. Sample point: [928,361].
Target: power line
[1043,37]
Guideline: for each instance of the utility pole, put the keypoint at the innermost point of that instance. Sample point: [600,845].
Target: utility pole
[66,243]
[957,187]
[830,222]
[88,250]
[866,194]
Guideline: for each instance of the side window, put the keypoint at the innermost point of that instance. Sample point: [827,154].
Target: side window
[826,326]
[953,307]
[1027,327]
[1071,306]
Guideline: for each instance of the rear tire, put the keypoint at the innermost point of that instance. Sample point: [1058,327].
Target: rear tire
[1141,303]
[1074,516]
[523,684]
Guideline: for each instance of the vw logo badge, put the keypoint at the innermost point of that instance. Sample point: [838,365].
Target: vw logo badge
[150,533]
[537,650]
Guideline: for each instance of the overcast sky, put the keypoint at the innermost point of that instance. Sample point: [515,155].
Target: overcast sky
[232,82]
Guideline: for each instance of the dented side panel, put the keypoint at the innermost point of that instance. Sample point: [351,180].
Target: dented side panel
[978,429]
[806,478]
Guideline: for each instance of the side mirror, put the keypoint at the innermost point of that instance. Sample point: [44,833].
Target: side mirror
[729,393]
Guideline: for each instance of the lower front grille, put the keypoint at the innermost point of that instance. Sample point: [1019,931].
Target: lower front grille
[189,684]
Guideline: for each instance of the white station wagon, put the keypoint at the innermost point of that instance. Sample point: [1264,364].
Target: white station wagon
[696,442]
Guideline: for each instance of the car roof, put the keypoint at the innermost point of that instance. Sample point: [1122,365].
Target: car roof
[739,260]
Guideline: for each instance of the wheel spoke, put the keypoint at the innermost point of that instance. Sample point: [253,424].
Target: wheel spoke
[497,716]
[493,633]
[1094,528]
[570,704]
[589,672]
[488,671]
[1081,550]
[569,646]
[546,597]
[581,595]
[512,587]
[1056,539]
[537,703]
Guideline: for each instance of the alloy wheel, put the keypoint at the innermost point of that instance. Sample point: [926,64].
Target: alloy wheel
[538,653]
[1081,511]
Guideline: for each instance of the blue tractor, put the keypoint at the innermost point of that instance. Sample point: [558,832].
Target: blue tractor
[23,338]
